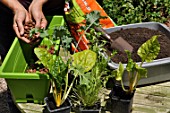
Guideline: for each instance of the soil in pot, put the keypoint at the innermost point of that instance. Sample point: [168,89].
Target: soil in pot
[33,67]
[136,37]
[52,108]
[121,102]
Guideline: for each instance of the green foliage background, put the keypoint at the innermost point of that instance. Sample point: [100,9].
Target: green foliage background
[135,11]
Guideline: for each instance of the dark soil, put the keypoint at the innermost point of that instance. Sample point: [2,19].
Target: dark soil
[27,29]
[34,67]
[136,37]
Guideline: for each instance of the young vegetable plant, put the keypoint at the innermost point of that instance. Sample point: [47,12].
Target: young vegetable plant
[91,68]
[87,31]
[58,65]
[93,76]
[147,52]
[89,65]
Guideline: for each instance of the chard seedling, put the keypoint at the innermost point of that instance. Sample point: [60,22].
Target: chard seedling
[57,65]
[148,51]
[93,74]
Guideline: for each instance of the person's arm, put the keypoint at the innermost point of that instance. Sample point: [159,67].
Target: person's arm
[20,16]
[36,13]
[12,4]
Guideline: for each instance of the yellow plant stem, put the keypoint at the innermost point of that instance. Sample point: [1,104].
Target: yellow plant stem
[57,96]
[58,99]
[137,78]
[123,86]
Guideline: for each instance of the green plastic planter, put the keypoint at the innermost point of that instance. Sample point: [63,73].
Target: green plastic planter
[26,87]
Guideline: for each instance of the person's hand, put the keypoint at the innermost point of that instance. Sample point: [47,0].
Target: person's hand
[21,16]
[35,10]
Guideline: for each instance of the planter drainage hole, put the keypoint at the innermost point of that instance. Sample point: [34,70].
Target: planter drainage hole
[29,98]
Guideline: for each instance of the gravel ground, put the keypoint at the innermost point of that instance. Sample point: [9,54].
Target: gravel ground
[4,108]
[6,103]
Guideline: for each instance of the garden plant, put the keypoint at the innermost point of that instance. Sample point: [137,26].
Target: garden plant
[88,67]
[134,11]
[148,51]
[93,70]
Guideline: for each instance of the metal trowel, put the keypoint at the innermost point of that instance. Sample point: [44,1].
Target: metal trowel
[119,43]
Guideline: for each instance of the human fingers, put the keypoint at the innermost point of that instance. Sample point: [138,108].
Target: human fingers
[28,18]
[16,29]
[20,26]
[25,39]
[43,23]
[20,17]
[37,21]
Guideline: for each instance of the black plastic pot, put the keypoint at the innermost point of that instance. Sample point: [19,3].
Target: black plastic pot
[51,106]
[93,109]
[121,102]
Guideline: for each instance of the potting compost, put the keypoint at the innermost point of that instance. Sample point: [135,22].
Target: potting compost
[136,37]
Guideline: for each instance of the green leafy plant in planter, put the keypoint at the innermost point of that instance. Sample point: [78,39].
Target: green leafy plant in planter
[61,64]
[88,67]
[134,11]
[58,66]
[121,95]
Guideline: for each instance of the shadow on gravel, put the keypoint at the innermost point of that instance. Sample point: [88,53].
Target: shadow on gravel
[6,103]
[11,104]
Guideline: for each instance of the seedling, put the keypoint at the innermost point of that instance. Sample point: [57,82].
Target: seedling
[88,65]
[57,66]
[91,65]
[93,75]
[147,52]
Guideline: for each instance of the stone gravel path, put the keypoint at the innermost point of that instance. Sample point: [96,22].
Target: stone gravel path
[4,108]
[6,103]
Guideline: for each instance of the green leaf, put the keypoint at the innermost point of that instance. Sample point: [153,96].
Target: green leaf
[85,59]
[47,42]
[142,72]
[66,41]
[59,72]
[149,50]
[85,79]
[60,31]
[93,17]
[130,65]
[44,33]
[33,31]
[120,72]
[45,57]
